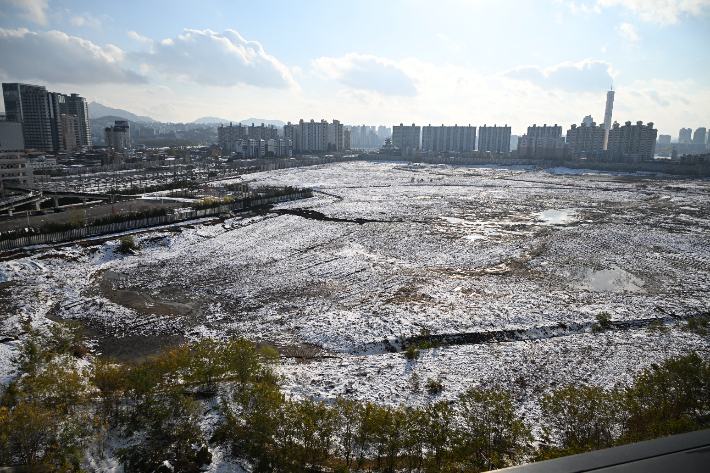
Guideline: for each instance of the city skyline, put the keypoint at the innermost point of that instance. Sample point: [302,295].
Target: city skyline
[381,64]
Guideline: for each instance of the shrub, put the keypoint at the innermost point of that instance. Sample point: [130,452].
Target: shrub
[698,324]
[603,322]
[434,386]
[127,244]
[412,352]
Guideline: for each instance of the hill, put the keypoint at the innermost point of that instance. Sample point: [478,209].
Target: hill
[248,121]
[96,110]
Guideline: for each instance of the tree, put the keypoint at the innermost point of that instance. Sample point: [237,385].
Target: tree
[581,418]
[492,435]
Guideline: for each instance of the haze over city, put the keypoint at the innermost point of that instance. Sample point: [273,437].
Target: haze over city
[502,62]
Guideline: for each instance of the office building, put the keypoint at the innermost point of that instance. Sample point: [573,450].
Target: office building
[699,137]
[494,139]
[461,139]
[406,138]
[684,135]
[664,141]
[118,136]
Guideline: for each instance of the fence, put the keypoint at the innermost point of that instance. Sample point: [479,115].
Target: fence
[96,230]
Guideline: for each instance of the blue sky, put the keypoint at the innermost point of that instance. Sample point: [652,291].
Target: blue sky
[472,62]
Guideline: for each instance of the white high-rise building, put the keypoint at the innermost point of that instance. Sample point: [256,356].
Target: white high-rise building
[315,137]
[442,138]
[495,139]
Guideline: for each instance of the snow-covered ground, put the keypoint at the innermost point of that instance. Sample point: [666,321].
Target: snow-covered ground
[438,249]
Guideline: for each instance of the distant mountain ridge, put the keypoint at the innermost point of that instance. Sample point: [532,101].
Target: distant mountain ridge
[96,110]
[248,121]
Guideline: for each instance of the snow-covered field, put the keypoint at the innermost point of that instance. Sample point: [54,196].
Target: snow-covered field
[437,249]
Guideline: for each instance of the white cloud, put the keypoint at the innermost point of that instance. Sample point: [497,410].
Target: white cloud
[582,8]
[133,35]
[663,12]
[213,59]
[34,9]
[586,76]
[56,58]
[85,19]
[362,72]
[628,31]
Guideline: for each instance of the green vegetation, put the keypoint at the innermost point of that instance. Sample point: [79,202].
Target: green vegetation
[699,325]
[209,203]
[125,217]
[127,244]
[603,322]
[59,409]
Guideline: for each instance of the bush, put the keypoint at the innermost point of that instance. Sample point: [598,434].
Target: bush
[434,386]
[411,353]
[603,322]
[127,244]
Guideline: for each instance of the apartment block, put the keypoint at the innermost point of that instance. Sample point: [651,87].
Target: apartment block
[406,138]
[586,138]
[494,139]
[118,136]
[455,138]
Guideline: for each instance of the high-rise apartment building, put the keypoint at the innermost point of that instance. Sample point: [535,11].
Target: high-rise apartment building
[634,142]
[228,136]
[76,105]
[699,137]
[315,137]
[71,132]
[586,138]
[262,132]
[346,140]
[455,138]
[118,136]
[664,141]
[544,131]
[406,138]
[38,112]
[684,135]
[495,139]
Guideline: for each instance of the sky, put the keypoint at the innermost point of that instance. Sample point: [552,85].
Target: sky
[377,63]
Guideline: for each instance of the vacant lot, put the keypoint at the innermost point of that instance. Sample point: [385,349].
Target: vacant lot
[509,269]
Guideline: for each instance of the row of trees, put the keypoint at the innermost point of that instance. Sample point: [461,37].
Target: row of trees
[58,411]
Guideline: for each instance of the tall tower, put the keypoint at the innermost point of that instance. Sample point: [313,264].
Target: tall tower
[607,116]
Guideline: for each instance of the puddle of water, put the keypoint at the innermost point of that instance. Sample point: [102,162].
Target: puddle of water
[556,217]
[609,280]
[115,275]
